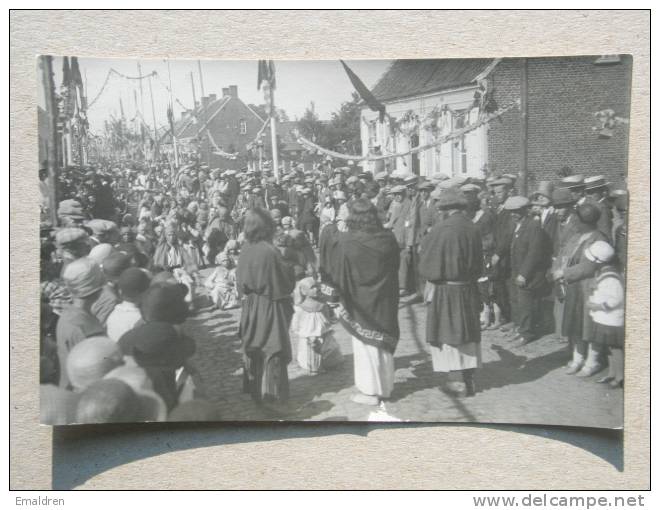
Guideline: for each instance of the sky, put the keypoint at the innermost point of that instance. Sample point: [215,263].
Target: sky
[299,83]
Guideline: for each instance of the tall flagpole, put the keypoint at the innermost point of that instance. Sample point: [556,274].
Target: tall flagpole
[201,78]
[273,136]
[52,143]
[153,113]
[176,151]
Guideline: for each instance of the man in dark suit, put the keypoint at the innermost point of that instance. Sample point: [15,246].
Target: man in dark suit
[531,257]
[503,233]
[403,222]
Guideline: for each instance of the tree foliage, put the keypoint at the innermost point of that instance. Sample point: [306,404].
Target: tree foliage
[341,133]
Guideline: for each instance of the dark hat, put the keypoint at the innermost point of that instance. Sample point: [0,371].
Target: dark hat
[133,282]
[502,181]
[449,199]
[165,302]
[425,186]
[115,264]
[561,197]
[156,343]
[588,213]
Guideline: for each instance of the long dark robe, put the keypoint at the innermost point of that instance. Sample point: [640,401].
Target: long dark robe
[266,282]
[363,267]
[451,259]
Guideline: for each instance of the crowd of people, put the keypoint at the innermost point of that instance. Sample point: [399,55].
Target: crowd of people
[300,252]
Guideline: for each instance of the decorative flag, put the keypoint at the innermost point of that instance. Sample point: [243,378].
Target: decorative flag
[76,78]
[266,73]
[170,118]
[266,82]
[364,92]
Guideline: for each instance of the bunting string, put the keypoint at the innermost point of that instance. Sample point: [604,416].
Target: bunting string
[261,130]
[438,141]
[217,150]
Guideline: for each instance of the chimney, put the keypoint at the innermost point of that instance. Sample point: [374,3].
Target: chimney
[225,91]
[233,91]
[212,97]
[205,101]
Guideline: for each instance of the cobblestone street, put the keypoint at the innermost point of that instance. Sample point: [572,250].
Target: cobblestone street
[515,385]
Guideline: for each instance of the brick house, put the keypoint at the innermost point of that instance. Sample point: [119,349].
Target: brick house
[231,124]
[563,93]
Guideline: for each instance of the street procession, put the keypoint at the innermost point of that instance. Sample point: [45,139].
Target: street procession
[444,242]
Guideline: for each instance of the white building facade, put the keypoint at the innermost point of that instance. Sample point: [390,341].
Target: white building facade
[447,111]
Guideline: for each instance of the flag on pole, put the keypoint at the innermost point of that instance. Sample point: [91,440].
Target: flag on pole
[170,118]
[364,92]
[266,73]
[266,82]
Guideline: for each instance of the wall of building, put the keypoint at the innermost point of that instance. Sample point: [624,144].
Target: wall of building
[225,129]
[563,95]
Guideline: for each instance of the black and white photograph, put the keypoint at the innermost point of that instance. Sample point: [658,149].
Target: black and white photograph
[417,240]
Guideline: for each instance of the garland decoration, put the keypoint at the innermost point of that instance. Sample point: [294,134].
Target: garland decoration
[217,150]
[483,119]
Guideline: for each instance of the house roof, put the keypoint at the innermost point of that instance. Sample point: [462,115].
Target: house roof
[409,78]
[200,118]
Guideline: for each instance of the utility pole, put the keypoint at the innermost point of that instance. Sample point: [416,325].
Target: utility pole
[522,190]
[176,152]
[153,113]
[52,143]
[201,78]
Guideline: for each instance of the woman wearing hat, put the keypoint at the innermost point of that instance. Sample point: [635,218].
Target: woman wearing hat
[576,272]
[362,265]
[265,283]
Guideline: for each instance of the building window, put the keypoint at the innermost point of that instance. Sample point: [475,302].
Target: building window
[243,127]
[373,136]
[459,149]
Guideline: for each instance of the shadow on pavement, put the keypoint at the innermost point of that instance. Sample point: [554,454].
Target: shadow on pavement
[83,452]
[514,369]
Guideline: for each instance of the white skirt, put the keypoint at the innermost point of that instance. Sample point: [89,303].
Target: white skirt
[374,369]
[456,357]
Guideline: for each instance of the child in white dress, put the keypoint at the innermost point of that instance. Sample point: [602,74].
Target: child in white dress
[222,283]
[312,324]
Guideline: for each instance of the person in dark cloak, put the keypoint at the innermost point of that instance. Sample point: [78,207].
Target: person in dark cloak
[265,283]
[361,265]
[451,259]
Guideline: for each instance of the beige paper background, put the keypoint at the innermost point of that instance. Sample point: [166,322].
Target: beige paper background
[327,455]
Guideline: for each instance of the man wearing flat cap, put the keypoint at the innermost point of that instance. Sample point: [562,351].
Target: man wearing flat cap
[84,280]
[451,260]
[531,257]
